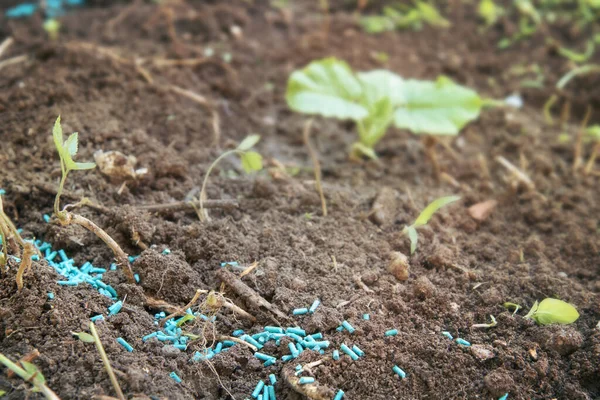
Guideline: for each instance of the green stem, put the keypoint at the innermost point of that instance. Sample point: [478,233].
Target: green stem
[109,370]
[583,70]
[61,186]
[26,376]
[202,214]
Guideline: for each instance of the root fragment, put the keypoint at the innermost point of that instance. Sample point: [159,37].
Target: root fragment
[313,391]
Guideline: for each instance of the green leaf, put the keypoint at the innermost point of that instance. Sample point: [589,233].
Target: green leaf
[553,311]
[57,134]
[249,142]
[372,129]
[380,84]
[68,149]
[377,24]
[431,15]
[593,132]
[251,161]
[84,337]
[35,375]
[414,238]
[184,319]
[326,87]
[437,108]
[2,393]
[578,57]
[489,11]
[431,209]
[83,165]
[359,149]
[71,145]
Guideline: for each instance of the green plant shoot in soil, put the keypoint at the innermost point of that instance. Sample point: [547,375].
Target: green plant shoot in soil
[424,218]
[553,311]
[94,338]
[10,237]
[251,162]
[30,373]
[67,149]
[376,99]
[404,17]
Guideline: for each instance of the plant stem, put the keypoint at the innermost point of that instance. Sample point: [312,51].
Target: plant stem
[590,164]
[202,214]
[582,70]
[61,186]
[25,265]
[315,160]
[579,139]
[121,256]
[109,370]
[46,391]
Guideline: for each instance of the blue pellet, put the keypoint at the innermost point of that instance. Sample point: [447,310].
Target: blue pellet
[317,336]
[358,351]
[63,255]
[287,357]
[85,268]
[299,348]
[263,357]
[270,362]
[296,330]
[258,389]
[113,267]
[323,344]
[149,336]
[349,352]
[314,306]
[51,256]
[339,328]
[230,263]
[166,252]
[503,397]
[115,308]
[46,218]
[293,350]
[300,311]
[272,379]
[253,342]
[68,283]
[45,246]
[136,277]
[399,371]
[348,327]
[339,395]
[448,335]
[366,317]
[272,392]
[97,317]
[238,332]
[96,270]
[228,343]
[391,332]
[175,377]
[181,347]
[218,348]
[35,257]
[126,345]
[133,258]
[463,342]
[21,10]
[274,329]
[306,379]
[335,355]
[50,295]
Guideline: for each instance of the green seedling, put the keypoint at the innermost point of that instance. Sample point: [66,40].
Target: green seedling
[490,325]
[10,238]
[94,338]
[593,134]
[424,217]
[67,149]
[405,17]
[377,99]
[515,307]
[489,11]
[52,27]
[251,162]
[31,374]
[553,311]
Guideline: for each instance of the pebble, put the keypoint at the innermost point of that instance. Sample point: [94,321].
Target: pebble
[482,352]
[399,266]
[423,288]
[499,382]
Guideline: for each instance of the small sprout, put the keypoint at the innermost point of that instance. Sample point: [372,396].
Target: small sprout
[251,162]
[377,99]
[553,311]
[52,27]
[509,306]
[490,325]
[84,337]
[489,11]
[424,218]
[184,319]
[30,373]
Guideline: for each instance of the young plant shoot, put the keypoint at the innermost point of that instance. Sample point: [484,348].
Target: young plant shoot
[251,162]
[424,217]
[67,149]
[31,374]
[377,99]
[553,311]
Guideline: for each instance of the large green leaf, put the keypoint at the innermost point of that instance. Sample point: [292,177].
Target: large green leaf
[437,108]
[326,87]
[379,84]
[553,311]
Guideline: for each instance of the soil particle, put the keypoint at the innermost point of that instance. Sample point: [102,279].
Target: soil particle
[384,207]
[482,352]
[499,382]
[562,339]
[398,266]
[423,288]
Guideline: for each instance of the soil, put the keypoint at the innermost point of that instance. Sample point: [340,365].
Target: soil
[536,243]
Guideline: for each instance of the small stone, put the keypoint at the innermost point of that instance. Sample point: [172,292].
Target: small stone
[423,288]
[482,351]
[499,382]
[565,340]
[481,211]
[116,165]
[170,351]
[370,277]
[399,266]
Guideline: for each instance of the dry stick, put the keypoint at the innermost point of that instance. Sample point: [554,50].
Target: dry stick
[13,60]
[25,265]
[188,206]
[238,340]
[52,189]
[29,357]
[250,296]
[317,166]
[430,142]
[577,159]
[6,44]
[182,311]
[520,175]
[110,25]
[160,304]
[565,114]
[203,101]
[121,256]
[111,373]
[592,160]
[238,310]
[313,391]
[361,284]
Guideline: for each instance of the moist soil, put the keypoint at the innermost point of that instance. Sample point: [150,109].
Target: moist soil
[537,242]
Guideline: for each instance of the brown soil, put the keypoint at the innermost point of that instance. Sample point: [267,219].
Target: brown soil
[536,243]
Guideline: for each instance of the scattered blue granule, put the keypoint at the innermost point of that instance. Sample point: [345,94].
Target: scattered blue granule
[22,10]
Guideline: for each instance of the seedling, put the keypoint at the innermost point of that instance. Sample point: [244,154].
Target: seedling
[424,217]
[67,150]
[251,161]
[11,238]
[489,11]
[593,134]
[376,99]
[508,305]
[52,27]
[490,325]
[30,373]
[405,17]
[94,338]
[553,311]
